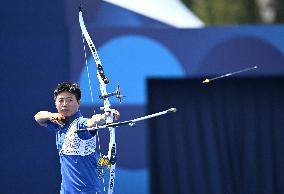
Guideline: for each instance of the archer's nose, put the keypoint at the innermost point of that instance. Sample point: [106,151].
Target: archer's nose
[65,103]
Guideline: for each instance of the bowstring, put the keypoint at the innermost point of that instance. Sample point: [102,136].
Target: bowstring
[91,91]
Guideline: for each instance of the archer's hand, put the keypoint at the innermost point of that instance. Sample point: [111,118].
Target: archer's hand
[114,112]
[57,119]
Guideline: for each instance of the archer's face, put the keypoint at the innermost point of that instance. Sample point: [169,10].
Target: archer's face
[67,104]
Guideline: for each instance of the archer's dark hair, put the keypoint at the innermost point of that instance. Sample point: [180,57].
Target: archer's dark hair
[73,88]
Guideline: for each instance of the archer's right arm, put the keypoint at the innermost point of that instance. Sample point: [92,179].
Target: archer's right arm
[43,116]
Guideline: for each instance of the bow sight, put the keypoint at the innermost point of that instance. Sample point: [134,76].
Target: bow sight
[116,93]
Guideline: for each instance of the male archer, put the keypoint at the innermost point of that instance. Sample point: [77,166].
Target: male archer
[76,150]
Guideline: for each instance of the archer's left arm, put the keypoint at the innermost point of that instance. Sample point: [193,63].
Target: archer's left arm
[98,119]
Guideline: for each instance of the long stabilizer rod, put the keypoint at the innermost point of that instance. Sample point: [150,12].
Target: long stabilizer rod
[130,122]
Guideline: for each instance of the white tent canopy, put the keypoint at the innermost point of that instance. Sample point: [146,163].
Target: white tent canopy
[170,12]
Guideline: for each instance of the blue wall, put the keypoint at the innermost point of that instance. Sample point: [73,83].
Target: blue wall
[33,59]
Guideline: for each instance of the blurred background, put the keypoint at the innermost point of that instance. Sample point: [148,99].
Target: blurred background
[226,137]
[237,12]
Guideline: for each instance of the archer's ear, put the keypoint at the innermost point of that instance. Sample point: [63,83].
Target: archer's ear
[79,102]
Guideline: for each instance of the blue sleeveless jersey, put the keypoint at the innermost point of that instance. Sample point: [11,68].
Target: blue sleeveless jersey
[79,173]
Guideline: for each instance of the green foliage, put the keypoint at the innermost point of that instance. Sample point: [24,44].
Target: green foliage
[280,11]
[214,12]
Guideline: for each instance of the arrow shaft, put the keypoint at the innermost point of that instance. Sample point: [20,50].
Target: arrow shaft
[233,73]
